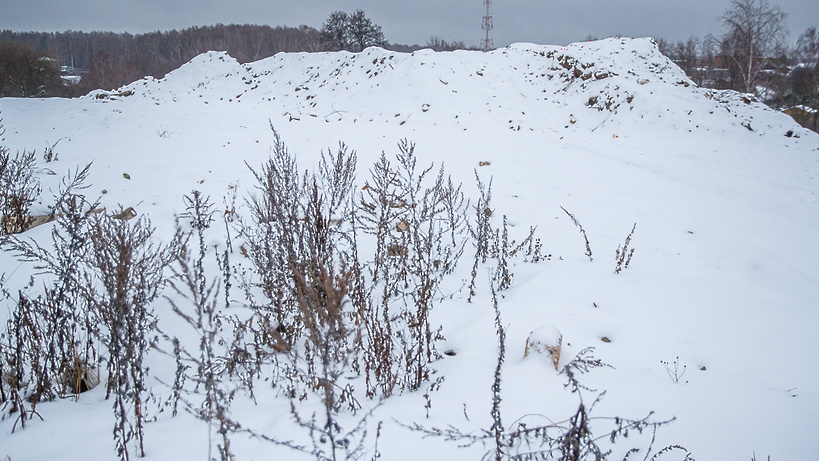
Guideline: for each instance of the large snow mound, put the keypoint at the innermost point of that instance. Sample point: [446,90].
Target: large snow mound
[524,85]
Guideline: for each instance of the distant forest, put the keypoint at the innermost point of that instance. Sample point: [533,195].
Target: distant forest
[108,60]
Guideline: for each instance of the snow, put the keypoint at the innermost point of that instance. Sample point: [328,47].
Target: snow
[724,273]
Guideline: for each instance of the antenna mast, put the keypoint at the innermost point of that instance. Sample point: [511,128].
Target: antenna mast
[487,43]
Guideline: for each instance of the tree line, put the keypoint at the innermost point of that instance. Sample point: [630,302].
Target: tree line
[31,63]
[109,60]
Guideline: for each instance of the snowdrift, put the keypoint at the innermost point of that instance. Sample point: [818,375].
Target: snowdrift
[714,321]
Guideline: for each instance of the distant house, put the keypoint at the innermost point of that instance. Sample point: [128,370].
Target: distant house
[71,75]
[71,79]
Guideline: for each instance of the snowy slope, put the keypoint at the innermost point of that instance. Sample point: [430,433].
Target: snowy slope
[723,191]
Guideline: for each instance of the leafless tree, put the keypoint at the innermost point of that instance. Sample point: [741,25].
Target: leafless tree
[807,47]
[803,79]
[334,33]
[351,32]
[436,43]
[754,32]
[26,72]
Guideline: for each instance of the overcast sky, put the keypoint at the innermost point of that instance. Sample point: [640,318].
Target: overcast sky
[407,21]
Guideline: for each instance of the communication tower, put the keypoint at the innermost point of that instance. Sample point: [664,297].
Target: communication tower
[487,43]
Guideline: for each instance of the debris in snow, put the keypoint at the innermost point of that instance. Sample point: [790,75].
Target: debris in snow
[545,341]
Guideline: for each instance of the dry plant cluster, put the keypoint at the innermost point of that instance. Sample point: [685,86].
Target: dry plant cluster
[329,304]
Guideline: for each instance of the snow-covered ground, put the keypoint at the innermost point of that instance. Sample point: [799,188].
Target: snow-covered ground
[723,191]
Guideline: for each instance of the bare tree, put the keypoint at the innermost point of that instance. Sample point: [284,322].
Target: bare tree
[334,33]
[803,79]
[351,32]
[754,32]
[685,54]
[364,32]
[436,43]
[807,47]
[26,72]
[687,57]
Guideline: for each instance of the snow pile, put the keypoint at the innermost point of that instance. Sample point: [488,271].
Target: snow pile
[517,86]
[723,192]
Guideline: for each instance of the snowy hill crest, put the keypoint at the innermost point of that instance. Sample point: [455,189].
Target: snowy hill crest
[611,78]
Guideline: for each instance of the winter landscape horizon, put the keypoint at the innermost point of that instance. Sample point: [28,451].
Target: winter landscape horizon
[588,196]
